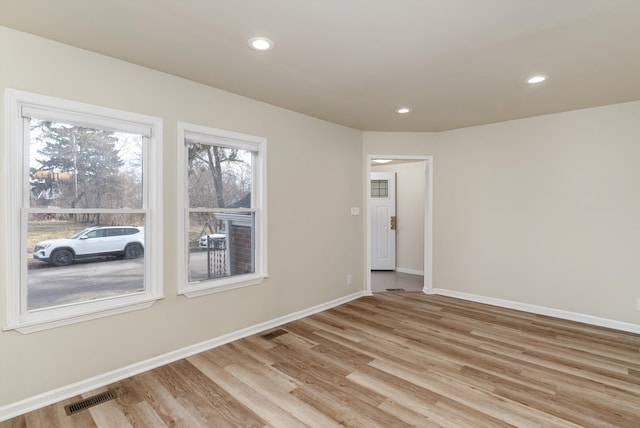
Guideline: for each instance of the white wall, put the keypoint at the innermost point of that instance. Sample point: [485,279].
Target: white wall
[400,143]
[542,211]
[314,242]
[410,199]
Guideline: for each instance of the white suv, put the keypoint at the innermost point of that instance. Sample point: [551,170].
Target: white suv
[121,241]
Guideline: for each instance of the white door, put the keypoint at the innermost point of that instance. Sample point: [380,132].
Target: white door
[382,213]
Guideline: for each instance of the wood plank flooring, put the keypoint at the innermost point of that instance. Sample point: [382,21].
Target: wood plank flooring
[390,360]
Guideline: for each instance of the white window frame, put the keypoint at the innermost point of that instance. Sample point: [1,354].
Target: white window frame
[259,180]
[19,103]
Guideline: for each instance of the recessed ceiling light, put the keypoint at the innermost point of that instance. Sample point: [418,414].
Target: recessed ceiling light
[382,160]
[403,110]
[260,44]
[538,78]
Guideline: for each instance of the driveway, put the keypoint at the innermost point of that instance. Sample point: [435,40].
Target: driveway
[50,286]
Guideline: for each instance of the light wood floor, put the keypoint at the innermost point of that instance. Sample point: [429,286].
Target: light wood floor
[391,360]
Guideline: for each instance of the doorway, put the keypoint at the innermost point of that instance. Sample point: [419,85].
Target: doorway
[416,230]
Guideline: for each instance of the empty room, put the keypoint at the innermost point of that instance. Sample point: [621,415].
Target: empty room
[320,213]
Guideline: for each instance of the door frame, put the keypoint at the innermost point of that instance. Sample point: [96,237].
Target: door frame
[427,238]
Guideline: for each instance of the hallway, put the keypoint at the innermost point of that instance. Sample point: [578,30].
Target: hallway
[382,280]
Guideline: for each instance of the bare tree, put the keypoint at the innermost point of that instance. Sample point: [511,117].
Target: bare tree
[79,167]
[215,175]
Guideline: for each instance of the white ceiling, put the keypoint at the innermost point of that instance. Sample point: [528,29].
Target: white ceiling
[456,63]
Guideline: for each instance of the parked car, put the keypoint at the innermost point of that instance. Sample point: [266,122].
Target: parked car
[216,241]
[101,241]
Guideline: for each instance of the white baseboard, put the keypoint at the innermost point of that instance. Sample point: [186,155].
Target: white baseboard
[410,271]
[32,403]
[540,310]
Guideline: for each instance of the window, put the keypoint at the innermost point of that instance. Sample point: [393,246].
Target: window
[222,220]
[379,188]
[83,216]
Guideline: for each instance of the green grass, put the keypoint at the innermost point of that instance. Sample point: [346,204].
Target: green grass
[41,230]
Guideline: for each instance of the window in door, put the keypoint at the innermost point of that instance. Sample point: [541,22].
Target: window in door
[379,188]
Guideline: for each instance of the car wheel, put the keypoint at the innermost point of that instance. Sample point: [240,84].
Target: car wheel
[133,251]
[61,257]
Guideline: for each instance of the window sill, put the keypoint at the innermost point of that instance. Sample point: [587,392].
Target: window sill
[203,288]
[33,326]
